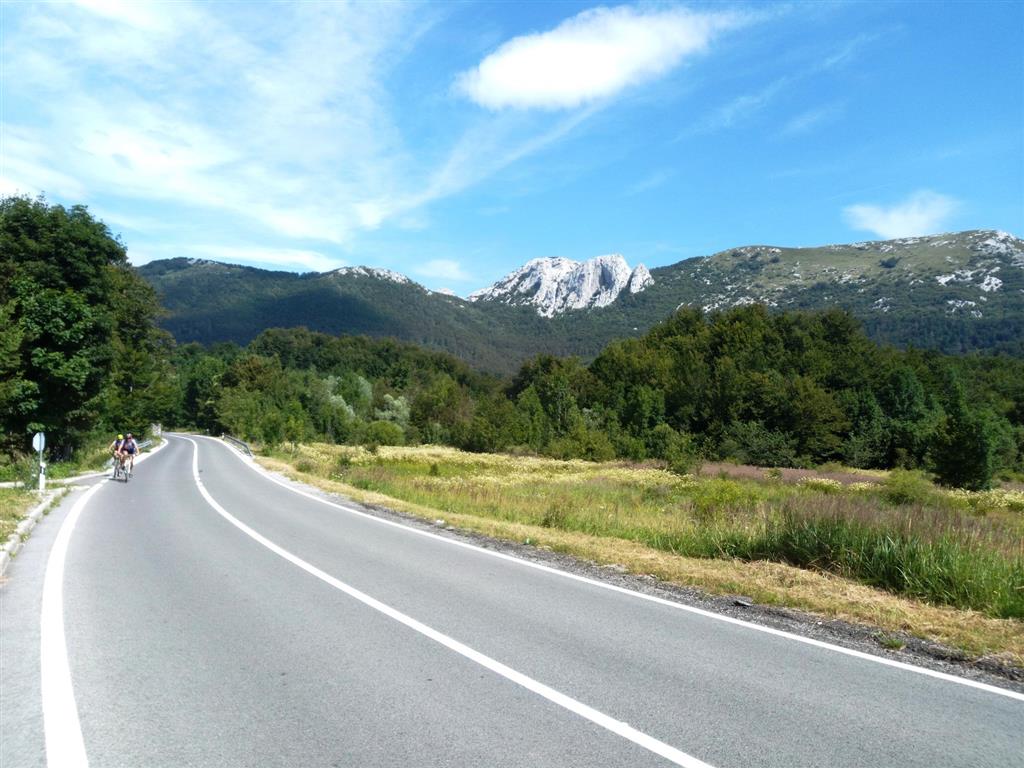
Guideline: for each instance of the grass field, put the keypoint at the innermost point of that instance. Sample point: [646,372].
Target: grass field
[900,554]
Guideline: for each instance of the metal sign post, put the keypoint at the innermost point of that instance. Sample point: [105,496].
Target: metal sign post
[39,443]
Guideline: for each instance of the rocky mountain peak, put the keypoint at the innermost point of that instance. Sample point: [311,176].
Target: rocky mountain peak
[556,285]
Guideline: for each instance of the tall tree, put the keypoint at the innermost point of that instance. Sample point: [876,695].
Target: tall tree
[80,347]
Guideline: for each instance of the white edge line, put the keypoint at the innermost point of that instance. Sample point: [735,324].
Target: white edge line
[63,731]
[651,598]
[65,747]
[617,727]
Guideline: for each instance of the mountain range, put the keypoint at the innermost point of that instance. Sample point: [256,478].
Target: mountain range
[955,292]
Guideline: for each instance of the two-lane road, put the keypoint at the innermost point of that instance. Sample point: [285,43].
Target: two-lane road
[214,616]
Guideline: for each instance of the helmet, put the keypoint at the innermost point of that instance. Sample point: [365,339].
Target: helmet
[129,434]
[121,437]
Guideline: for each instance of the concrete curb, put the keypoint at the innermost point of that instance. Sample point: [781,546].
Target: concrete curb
[16,539]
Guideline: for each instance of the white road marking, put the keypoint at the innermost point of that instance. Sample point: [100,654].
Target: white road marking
[64,745]
[614,588]
[617,727]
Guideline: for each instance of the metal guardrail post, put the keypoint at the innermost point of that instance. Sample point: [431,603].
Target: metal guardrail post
[240,444]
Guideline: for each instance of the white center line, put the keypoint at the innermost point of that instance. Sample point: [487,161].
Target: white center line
[617,727]
[639,595]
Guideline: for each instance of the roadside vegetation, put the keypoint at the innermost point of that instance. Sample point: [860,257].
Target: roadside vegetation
[901,553]
[15,503]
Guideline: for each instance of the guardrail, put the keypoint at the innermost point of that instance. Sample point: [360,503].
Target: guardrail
[239,444]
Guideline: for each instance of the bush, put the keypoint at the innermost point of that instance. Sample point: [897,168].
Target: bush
[681,455]
[904,486]
[660,440]
[629,447]
[752,443]
[22,469]
[555,516]
[383,433]
[820,484]
[583,443]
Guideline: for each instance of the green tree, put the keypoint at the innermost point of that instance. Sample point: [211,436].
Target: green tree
[81,350]
[963,449]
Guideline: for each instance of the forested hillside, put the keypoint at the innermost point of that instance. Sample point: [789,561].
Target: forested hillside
[210,302]
[789,389]
[953,293]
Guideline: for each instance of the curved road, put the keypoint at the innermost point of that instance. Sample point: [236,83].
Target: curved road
[215,616]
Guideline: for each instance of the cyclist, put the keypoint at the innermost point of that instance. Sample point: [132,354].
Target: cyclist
[117,445]
[117,449]
[130,448]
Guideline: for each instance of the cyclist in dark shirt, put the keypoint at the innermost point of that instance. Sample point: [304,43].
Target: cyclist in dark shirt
[130,448]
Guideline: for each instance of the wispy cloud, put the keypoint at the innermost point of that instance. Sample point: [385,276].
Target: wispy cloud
[193,105]
[746,106]
[807,121]
[848,50]
[924,212]
[445,269]
[591,56]
[649,182]
[743,107]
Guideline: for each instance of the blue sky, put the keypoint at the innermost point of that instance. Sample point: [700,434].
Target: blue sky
[455,141]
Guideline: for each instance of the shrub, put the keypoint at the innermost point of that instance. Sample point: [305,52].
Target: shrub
[383,433]
[24,469]
[660,440]
[753,443]
[555,516]
[821,484]
[904,486]
[582,443]
[681,455]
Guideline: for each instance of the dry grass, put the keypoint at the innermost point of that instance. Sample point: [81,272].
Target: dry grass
[14,505]
[480,493]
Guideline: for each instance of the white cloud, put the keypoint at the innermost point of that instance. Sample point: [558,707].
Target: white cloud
[591,56]
[265,257]
[445,269]
[282,258]
[923,213]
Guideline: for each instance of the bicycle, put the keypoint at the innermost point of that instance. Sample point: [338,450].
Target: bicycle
[121,471]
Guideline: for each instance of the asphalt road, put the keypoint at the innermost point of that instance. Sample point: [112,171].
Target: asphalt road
[235,622]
